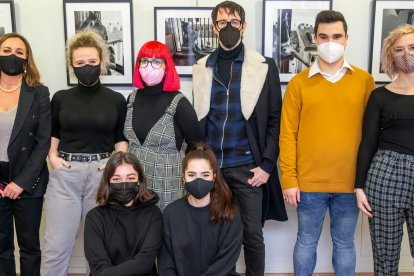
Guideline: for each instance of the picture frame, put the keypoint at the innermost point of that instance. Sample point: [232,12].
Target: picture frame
[189,37]
[7,19]
[113,21]
[387,15]
[288,34]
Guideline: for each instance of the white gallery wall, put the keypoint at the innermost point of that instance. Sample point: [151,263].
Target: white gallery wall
[41,21]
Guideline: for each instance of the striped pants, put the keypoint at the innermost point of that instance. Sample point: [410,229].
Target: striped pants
[390,191]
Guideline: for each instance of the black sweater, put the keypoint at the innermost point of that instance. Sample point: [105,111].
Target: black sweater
[123,241]
[388,125]
[88,119]
[193,246]
[150,104]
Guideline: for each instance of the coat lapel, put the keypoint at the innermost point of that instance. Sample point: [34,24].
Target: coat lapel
[253,77]
[202,83]
[23,108]
[254,74]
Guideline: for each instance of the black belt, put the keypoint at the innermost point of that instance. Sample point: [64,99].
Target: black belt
[83,157]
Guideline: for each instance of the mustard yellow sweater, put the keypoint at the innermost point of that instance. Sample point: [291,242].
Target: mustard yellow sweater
[321,130]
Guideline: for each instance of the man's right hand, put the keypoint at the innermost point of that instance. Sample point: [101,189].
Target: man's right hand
[292,196]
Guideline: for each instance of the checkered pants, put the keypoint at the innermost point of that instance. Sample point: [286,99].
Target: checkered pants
[390,191]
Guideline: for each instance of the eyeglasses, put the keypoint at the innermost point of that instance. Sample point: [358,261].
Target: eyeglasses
[156,63]
[223,23]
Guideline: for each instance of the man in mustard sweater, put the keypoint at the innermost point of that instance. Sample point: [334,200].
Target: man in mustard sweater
[320,133]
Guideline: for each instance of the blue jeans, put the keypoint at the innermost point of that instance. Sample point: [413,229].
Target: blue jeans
[311,213]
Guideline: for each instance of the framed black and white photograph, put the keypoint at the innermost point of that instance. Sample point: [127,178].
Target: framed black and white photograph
[188,32]
[288,34]
[112,20]
[7,24]
[387,16]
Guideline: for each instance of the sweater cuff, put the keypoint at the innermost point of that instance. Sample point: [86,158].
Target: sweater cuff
[360,185]
[289,182]
[267,166]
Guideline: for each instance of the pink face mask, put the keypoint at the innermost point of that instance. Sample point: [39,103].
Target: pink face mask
[405,62]
[152,76]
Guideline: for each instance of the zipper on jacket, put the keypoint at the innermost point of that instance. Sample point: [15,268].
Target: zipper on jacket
[227,110]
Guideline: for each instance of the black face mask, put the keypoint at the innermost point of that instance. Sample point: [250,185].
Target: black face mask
[12,65]
[88,75]
[199,187]
[229,36]
[123,192]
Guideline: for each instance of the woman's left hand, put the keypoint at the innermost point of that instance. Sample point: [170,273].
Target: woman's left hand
[12,191]
[362,202]
[102,167]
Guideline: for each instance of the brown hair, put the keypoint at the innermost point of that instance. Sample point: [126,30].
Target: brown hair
[387,53]
[88,38]
[114,162]
[31,75]
[221,205]
[329,16]
[231,7]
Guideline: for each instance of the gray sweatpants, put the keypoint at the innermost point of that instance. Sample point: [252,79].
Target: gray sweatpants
[70,194]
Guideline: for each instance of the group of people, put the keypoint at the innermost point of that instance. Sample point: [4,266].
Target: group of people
[166,187]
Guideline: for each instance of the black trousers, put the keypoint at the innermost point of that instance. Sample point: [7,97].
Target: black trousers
[249,202]
[26,214]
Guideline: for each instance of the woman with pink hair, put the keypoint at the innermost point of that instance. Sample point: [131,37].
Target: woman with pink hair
[159,119]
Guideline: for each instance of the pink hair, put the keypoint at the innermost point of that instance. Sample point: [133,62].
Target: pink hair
[155,49]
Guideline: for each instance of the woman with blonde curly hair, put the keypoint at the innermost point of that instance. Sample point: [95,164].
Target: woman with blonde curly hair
[87,126]
[385,169]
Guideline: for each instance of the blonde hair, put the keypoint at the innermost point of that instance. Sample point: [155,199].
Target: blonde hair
[31,75]
[387,54]
[88,38]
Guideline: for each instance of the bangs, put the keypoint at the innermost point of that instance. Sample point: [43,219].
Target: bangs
[152,49]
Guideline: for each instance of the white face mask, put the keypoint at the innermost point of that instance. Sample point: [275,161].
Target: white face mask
[331,51]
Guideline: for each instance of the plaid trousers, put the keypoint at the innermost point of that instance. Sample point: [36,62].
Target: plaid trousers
[390,191]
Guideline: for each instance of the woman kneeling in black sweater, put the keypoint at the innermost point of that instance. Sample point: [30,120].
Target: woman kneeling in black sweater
[123,234]
[202,231]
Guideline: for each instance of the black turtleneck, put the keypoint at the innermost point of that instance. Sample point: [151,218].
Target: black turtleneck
[225,58]
[150,104]
[88,119]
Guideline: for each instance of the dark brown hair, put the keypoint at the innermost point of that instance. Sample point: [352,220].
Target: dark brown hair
[329,16]
[230,7]
[32,75]
[221,205]
[114,162]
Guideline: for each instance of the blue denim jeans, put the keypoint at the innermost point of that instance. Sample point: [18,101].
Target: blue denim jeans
[311,213]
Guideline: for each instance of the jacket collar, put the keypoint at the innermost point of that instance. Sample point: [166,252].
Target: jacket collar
[254,73]
[25,101]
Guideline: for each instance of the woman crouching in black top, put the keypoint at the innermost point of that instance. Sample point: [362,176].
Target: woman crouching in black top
[202,231]
[124,233]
